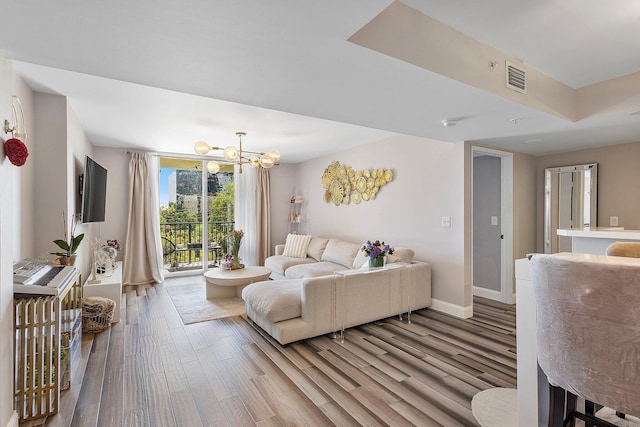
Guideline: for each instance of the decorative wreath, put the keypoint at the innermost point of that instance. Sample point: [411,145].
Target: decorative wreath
[16,151]
[344,185]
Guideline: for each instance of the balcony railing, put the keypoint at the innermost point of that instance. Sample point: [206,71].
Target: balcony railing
[182,247]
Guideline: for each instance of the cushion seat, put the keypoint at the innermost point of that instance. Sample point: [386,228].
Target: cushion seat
[275,301]
[279,263]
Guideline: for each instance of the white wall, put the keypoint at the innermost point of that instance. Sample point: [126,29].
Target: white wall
[24,177]
[7,237]
[50,160]
[525,227]
[78,147]
[428,184]
[116,161]
[283,180]
[59,160]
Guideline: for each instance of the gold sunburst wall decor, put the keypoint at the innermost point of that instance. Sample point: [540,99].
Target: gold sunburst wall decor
[343,185]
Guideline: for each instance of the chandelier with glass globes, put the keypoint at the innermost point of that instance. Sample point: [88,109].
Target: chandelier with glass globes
[237,155]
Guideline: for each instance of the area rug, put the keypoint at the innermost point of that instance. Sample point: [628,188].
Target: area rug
[496,407]
[193,306]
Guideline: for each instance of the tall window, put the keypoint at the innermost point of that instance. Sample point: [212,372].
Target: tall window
[190,228]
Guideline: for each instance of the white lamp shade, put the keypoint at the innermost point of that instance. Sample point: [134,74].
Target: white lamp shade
[201,147]
[231,153]
[275,155]
[254,162]
[213,166]
[266,161]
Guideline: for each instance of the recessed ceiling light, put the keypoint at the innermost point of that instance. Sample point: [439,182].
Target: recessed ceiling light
[516,120]
[449,123]
[528,141]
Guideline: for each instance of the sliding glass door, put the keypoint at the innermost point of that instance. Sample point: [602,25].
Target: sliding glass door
[196,212]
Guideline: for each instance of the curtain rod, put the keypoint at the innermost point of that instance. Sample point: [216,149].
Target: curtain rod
[179,156]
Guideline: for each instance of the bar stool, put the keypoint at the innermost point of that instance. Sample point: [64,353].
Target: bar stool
[626,249]
[588,332]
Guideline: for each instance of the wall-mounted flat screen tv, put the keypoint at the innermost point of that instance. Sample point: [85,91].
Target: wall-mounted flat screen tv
[94,191]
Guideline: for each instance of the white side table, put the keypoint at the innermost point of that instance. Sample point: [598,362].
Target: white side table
[109,287]
[229,283]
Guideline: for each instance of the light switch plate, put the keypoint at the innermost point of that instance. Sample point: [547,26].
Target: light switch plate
[613,221]
[494,220]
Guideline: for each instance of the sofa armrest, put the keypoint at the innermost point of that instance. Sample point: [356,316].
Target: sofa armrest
[317,295]
[279,249]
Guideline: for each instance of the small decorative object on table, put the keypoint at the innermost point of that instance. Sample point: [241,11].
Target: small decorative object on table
[69,245]
[230,263]
[105,260]
[114,244]
[376,252]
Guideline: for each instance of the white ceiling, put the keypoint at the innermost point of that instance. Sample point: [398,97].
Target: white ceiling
[161,75]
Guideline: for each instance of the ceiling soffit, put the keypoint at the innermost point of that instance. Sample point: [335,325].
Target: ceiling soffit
[411,36]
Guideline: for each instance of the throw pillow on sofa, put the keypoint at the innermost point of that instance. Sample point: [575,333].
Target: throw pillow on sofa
[296,245]
[401,255]
[340,252]
[404,255]
[316,248]
[361,260]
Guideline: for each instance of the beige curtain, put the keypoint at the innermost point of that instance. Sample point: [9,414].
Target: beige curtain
[143,251]
[263,214]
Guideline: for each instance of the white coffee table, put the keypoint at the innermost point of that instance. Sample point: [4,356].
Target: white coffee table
[229,283]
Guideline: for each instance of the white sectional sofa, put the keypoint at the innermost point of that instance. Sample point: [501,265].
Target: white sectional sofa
[323,292]
[323,257]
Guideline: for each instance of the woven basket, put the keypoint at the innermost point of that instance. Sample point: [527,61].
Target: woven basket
[97,314]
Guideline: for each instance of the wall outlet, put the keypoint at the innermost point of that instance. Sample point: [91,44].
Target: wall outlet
[446,221]
[613,221]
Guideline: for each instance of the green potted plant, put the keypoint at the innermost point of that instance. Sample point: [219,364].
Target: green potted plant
[69,245]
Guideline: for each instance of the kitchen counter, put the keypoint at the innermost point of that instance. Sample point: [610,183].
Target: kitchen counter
[595,240]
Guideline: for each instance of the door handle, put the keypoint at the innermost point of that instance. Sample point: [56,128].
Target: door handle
[502,236]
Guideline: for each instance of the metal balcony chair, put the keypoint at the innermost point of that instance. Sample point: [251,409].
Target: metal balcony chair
[588,332]
[169,252]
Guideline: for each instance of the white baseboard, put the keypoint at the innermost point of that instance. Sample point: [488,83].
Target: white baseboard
[452,309]
[492,294]
[13,421]
[487,293]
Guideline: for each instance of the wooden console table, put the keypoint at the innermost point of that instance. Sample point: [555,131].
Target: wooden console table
[48,331]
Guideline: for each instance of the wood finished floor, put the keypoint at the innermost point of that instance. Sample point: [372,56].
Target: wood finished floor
[151,370]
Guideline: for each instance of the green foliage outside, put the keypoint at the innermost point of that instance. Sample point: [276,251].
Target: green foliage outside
[221,206]
[182,228]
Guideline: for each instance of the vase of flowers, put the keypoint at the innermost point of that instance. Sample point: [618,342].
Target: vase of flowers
[70,243]
[234,239]
[376,252]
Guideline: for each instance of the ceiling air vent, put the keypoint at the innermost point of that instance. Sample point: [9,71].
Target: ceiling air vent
[516,78]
